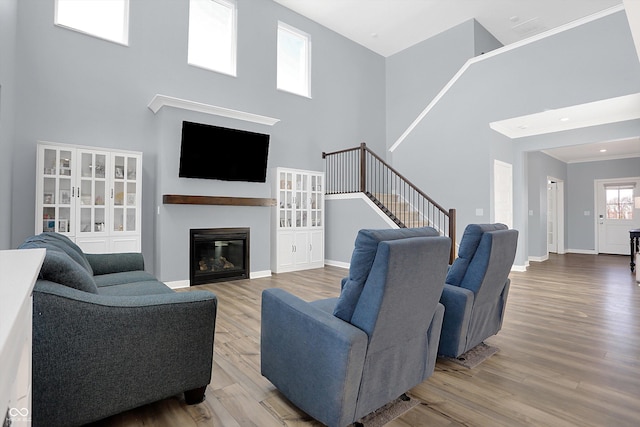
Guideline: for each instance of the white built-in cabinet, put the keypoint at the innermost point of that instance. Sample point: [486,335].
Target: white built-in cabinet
[91,195]
[298,241]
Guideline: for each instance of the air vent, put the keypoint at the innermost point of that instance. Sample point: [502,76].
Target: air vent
[529,27]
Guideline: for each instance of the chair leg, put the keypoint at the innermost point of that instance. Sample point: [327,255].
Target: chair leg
[192,397]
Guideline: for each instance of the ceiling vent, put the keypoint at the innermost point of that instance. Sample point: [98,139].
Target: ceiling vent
[529,27]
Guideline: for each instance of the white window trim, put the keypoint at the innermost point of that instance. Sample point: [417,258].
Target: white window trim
[234,42]
[297,32]
[125,30]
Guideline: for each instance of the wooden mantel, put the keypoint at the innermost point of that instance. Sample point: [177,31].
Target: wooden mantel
[179,199]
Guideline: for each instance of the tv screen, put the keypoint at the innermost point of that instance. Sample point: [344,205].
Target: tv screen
[213,152]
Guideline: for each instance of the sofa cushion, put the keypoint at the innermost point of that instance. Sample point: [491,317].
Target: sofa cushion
[122,277]
[147,287]
[366,246]
[60,268]
[468,245]
[55,240]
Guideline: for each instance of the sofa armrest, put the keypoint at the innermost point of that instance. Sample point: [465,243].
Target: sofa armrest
[307,352]
[141,348]
[115,262]
[458,303]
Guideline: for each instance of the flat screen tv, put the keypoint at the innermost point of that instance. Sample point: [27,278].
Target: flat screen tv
[213,152]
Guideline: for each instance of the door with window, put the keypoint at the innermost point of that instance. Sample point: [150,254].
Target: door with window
[616,213]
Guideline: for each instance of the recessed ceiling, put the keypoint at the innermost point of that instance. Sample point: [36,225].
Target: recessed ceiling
[611,110]
[389,26]
[608,150]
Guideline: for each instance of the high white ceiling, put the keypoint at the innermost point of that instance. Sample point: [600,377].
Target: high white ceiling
[389,26]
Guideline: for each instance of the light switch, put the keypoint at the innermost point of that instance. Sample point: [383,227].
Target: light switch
[587,213]
[479,211]
[530,213]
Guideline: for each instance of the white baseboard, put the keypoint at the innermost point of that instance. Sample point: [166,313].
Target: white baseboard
[539,258]
[582,251]
[336,263]
[177,284]
[519,268]
[259,274]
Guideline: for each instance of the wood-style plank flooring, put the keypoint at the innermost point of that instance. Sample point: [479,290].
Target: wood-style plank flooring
[569,356]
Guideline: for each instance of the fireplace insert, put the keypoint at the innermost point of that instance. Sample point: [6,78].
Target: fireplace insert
[218,254]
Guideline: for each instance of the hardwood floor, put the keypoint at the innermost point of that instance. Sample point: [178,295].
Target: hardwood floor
[569,356]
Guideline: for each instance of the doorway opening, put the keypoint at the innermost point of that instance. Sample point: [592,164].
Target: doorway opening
[555,216]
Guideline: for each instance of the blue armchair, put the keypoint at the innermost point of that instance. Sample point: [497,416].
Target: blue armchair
[476,288]
[342,358]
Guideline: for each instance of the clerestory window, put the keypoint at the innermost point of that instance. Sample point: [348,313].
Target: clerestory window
[294,60]
[213,35]
[106,19]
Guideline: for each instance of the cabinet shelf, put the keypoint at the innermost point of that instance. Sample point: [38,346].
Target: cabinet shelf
[84,193]
[298,220]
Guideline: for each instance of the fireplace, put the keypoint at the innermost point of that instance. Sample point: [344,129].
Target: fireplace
[218,254]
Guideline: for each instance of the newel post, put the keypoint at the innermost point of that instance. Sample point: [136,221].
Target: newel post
[452,234]
[363,167]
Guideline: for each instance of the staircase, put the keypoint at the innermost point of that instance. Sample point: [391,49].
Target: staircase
[399,210]
[360,170]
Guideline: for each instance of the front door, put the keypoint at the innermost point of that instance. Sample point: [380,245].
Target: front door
[616,213]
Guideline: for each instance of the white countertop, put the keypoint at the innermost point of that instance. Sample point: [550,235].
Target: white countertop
[19,270]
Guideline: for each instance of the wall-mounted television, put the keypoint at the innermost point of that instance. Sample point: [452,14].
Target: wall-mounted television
[212,152]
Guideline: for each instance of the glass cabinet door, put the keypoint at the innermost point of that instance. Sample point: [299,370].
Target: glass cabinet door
[57,194]
[286,201]
[317,201]
[301,199]
[125,193]
[92,187]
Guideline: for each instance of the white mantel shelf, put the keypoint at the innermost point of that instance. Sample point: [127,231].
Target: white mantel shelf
[160,101]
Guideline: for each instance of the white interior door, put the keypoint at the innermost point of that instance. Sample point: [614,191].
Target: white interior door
[616,213]
[552,217]
[503,193]
[555,216]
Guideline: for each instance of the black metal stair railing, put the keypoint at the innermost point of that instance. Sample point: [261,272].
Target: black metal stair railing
[360,170]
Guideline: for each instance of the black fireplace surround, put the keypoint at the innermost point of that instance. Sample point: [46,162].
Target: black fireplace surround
[218,255]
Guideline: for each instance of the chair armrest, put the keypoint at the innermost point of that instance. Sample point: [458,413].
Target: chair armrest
[115,262]
[307,352]
[457,302]
[88,349]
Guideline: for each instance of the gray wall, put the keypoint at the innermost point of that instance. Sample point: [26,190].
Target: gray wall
[483,40]
[8,19]
[581,197]
[450,154]
[343,219]
[540,167]
[415,75]
[82,90]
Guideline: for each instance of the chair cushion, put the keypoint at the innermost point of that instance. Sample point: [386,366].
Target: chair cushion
[366,246]
[468,245]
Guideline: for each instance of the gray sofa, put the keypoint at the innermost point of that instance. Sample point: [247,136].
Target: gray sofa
[108,336]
